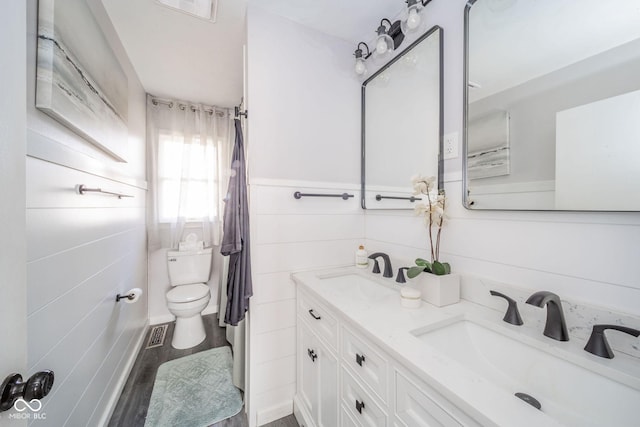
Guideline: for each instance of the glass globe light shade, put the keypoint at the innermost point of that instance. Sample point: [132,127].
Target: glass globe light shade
[413,20]
[360,67]
[384,44]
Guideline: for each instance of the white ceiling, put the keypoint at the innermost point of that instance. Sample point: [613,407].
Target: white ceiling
[179,56]
[512,41]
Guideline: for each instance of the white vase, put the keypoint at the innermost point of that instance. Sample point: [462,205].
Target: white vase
[439,290]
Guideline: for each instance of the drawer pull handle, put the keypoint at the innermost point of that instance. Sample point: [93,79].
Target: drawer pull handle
[312,354]
[359,406]
[359,359]
[315,316]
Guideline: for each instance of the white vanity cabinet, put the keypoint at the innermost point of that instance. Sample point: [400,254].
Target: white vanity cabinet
[346,380]
[317,364]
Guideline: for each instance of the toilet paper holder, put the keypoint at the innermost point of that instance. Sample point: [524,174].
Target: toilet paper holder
[128,296]
[131,296]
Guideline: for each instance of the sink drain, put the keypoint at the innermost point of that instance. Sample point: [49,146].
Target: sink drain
[530,400]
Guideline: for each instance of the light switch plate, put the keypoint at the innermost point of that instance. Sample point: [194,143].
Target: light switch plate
[451,145]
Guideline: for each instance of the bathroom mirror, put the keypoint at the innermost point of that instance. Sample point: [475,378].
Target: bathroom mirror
[402,124]
[552,105]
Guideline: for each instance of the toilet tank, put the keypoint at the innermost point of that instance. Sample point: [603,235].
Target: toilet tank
[187,267]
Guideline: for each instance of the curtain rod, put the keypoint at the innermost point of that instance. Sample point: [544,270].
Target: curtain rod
[170,104]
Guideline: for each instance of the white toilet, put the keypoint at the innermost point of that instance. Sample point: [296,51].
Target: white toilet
[188,273]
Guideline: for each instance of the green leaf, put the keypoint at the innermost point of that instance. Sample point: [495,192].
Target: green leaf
[439,269]
[414,271]
[422,262]
[447,267]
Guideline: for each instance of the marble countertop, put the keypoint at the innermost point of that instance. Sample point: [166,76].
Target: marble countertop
[379,316]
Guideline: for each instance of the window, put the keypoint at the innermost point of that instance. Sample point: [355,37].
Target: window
[187,176]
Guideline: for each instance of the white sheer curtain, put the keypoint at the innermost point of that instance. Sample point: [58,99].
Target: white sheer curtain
[188,155]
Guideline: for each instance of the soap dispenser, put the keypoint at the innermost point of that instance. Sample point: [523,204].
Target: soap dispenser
[362,260]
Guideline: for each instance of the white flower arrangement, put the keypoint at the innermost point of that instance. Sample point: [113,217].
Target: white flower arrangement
[434,216]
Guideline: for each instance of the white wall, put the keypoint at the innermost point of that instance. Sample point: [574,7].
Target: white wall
[13,141]
[303,135]
[81,252]
[583,256]
[305,100]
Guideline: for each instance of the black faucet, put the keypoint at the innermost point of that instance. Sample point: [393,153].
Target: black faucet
[512,315]
[556,327]
[400,277]
[388,271]
[598,344]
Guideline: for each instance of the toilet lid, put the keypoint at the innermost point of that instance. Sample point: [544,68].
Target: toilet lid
[188,293]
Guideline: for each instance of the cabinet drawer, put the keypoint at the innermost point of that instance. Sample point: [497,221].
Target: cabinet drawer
[367,363]
[360,404]
[319,318]
[418,405]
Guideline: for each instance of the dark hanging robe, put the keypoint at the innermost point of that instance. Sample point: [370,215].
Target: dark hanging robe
[235,240]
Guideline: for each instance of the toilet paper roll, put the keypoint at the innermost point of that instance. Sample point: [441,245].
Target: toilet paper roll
[129,299]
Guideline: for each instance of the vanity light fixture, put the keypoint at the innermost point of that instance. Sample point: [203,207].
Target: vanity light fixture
[412,18]
[388,37]
[384,42]
[361,57]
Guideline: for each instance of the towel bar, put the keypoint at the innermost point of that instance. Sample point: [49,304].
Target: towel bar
[81,189]
[299,195]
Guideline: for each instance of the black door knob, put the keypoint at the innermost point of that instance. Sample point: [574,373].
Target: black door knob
[36,387]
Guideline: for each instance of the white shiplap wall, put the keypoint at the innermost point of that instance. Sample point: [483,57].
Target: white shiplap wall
[290,235]
[582,256]
[82,250]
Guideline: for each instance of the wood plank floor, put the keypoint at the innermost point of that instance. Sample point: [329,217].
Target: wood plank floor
[133,403]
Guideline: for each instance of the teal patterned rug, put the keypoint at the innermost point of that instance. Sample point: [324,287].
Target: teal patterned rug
[194,391]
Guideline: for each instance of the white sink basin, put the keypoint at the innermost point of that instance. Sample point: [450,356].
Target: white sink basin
[569,393]
[356,287]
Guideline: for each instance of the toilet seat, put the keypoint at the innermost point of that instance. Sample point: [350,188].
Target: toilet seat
[188,293]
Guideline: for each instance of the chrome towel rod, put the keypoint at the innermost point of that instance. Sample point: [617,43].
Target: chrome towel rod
[411,199]
[81,189]
[299,195]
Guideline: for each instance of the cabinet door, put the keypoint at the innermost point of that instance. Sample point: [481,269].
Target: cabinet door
[328,387]
[307,370]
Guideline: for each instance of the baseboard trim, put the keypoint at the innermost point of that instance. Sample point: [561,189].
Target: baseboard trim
[210,310]
[113,400]
[164,318]
[273,413]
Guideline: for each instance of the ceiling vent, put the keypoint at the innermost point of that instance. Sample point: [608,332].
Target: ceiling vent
[205,9]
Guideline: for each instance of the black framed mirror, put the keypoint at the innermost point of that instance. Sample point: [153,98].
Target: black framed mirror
[552,105]
[402,124]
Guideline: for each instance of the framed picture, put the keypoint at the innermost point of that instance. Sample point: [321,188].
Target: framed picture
[80,82]
[488,140]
